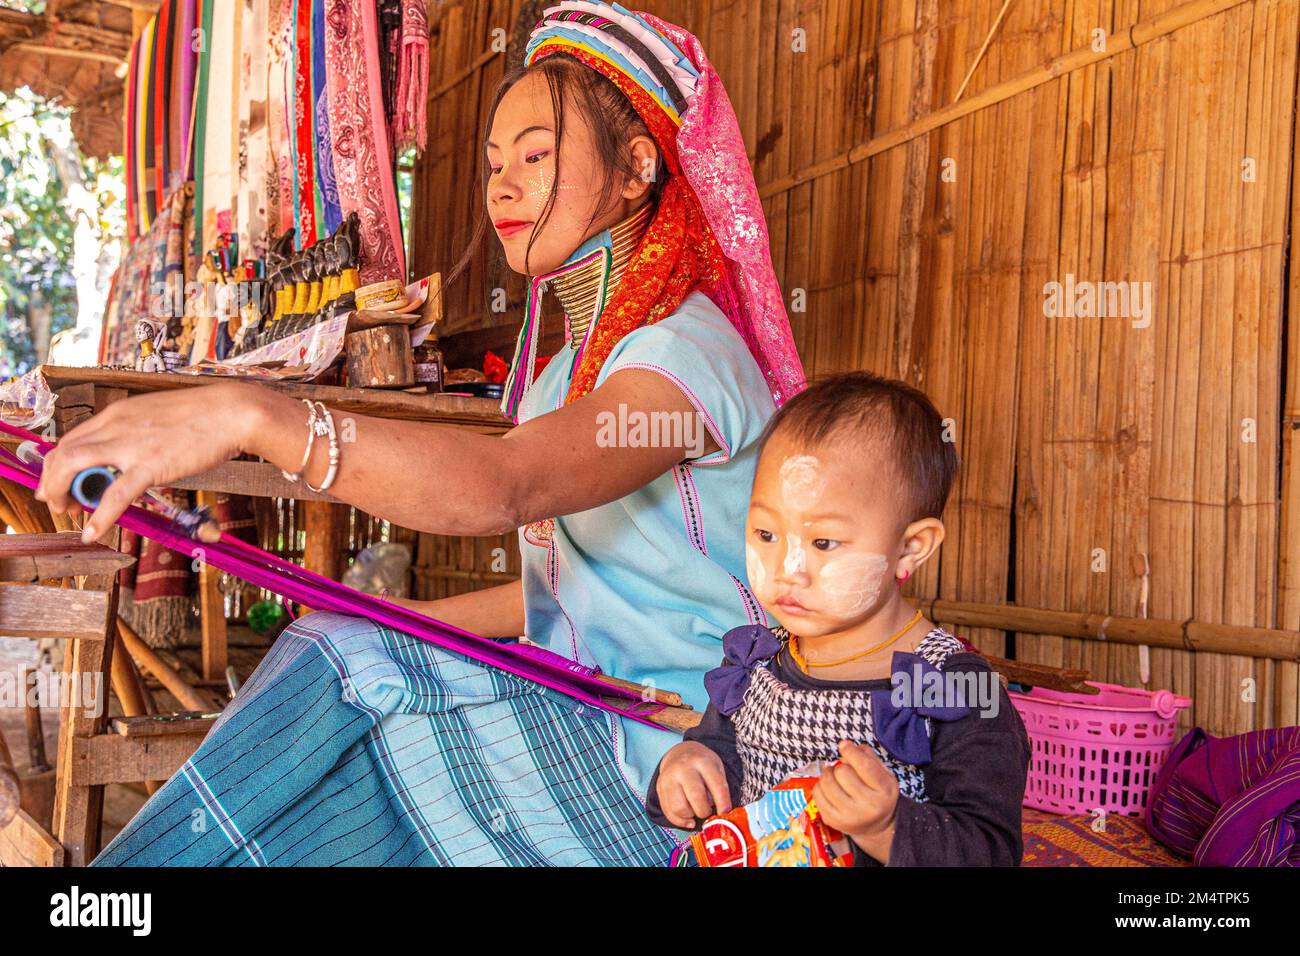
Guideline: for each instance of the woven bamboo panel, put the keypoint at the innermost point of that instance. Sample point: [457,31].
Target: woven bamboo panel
[1113,142]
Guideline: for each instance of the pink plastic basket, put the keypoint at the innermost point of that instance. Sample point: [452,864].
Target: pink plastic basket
[1097,752]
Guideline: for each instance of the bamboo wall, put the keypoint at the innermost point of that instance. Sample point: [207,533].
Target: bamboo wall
[920,229]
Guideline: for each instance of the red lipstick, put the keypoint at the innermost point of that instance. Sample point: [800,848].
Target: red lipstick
[508,227]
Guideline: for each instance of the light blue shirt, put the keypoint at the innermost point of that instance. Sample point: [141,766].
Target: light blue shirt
[644,587]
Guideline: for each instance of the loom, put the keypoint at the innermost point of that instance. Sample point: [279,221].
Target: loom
[179,530]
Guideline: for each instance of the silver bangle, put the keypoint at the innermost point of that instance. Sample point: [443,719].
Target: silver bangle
[311,441]
[329,430]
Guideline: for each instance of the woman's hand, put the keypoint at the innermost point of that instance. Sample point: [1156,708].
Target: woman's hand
[858,797]
[152,440]
[692,785]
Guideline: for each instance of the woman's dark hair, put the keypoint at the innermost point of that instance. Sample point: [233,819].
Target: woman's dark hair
[878,415]
[614,123]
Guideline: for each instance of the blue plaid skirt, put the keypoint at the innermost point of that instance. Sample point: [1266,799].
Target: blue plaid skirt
[355,744]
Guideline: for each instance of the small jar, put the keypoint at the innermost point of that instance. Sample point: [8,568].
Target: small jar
[428,366]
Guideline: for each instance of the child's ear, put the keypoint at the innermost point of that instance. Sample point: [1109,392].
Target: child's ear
[921,539]
[645,160]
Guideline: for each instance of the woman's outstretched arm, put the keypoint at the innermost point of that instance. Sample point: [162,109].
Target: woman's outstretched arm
[434,478]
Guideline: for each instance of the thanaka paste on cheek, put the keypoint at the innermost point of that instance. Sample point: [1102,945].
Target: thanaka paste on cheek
[801,481]
[757,573]
[851,584]
[796,561]
[541,189]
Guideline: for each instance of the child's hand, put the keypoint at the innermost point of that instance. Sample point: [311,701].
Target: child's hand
[858,797]
[692,785]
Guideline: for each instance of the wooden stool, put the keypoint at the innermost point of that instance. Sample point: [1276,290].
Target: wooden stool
[91,753]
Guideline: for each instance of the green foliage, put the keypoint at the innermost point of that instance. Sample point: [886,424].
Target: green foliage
[36,226]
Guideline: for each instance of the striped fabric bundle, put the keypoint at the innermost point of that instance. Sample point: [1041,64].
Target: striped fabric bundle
[1231,801]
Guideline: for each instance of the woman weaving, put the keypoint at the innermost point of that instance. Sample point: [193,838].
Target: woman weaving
[616,179]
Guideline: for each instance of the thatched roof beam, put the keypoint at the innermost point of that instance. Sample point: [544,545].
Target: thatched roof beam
[29,33]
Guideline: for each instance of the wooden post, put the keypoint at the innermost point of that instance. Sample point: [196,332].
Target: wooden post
[212,611]
[35,732]
[326,527]
[79,809]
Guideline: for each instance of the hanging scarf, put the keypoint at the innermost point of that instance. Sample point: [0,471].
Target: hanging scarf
[144,129]
[220,120]
[254,135]
[202,84]
[304,163]
[161,101]
[130,145]
[280,68]
[189,57]
[723,234]
[362,153]
[327,190]
[410,123]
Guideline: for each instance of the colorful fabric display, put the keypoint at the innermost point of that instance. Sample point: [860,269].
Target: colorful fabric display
[363,161]
[284,113]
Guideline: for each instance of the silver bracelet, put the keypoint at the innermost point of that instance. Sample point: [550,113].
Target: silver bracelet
[311,441]
[327,428]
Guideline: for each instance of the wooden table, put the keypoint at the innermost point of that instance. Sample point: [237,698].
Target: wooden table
[82,392]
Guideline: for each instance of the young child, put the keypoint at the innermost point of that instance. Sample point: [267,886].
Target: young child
[932,756]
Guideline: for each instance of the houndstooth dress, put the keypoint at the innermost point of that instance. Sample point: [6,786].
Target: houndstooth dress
[780,728]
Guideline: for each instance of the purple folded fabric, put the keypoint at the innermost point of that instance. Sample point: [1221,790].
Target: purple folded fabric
[1230,801]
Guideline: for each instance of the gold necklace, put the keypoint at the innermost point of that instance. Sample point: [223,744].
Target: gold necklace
[580,290]
[804,663]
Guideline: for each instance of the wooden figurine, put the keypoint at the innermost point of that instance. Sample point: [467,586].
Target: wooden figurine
[149,337]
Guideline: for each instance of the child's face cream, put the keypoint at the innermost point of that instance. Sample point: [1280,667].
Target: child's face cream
[823,536]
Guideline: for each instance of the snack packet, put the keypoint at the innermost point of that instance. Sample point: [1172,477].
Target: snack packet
[26,400]
[781,828]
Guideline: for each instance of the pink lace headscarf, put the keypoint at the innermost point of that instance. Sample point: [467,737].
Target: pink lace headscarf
[714,162]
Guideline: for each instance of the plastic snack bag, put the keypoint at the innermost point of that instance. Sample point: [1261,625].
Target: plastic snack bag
[781,828]
[26,401]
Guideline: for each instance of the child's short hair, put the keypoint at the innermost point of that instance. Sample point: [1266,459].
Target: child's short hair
[863,406]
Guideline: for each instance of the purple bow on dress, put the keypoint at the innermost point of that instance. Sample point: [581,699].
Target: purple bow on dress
[742,647]
[901,729]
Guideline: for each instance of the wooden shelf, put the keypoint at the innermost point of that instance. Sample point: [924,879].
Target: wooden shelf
[479,414]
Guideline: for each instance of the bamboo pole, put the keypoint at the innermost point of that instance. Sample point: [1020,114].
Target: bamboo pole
[671,698]
[1195,636]
[145,657]
[1135,36]
[979,57]
[131,695]
[39,762]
